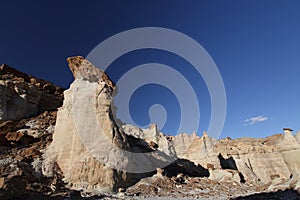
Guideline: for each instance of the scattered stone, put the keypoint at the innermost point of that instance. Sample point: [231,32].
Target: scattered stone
[160,172]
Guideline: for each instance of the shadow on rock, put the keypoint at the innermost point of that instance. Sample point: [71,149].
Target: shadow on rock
[281,194]
[186,167]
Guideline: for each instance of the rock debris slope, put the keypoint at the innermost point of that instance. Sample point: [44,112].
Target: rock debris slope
[22,144]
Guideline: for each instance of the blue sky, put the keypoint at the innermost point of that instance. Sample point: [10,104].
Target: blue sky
[255,45]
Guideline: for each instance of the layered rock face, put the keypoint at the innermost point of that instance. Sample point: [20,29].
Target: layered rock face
[22,96]
[154,138]
[259,161]
[199,150]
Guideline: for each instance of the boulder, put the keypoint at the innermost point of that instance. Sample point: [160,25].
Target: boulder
[224,175]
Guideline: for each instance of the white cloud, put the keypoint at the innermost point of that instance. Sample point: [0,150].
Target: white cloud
[254,120]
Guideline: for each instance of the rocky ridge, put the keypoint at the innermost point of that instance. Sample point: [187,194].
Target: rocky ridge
[23,96]
[257,159]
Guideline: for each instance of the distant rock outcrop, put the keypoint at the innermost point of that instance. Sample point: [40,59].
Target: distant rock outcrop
[22,96]
[153,137]
[200,150]
[257,160]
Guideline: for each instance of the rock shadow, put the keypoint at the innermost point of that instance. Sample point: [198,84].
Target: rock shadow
[186,167]
[228,163]
[281,194]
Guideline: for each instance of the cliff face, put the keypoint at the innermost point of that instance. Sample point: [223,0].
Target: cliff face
[258,160]
[22,96]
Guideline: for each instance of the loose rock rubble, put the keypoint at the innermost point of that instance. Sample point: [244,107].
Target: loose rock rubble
[21,158]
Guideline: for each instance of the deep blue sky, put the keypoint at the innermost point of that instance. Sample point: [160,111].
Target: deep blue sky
[255,44]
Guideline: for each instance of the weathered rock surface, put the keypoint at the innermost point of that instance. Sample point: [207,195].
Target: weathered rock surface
[182,142]
[153,137]
[257,160]
[94,154]
[22,96]
[21,159]
[290,149]
[200,151]
[182,187]
[81,170]
[297,136]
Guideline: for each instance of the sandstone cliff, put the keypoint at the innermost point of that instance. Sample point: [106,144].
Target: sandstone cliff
[257,160]
[81,170]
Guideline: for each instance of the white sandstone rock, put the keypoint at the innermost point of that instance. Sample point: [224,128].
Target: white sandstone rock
[93,153]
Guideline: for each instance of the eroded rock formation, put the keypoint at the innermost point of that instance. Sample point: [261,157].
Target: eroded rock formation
[81,170]
[98,163]
[90,151]
[93,152]
[22,96]
[259,161]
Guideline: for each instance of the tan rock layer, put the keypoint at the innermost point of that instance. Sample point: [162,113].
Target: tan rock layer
[257,159]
